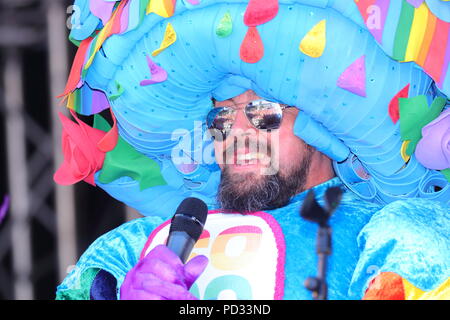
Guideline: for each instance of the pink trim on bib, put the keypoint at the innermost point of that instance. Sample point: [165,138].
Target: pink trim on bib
[279,238]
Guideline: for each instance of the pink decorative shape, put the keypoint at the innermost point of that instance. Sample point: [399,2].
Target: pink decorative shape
[102,9]
[376,28]
[158,74]
[125,18]
[242,229]
[353,78]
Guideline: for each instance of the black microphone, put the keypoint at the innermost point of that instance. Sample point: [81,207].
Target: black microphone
[186,227]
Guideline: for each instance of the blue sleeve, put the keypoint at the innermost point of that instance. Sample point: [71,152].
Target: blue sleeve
[406,237]
[116,252]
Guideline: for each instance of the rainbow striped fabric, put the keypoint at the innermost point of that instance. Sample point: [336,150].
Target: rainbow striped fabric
[127,16]
[410,31]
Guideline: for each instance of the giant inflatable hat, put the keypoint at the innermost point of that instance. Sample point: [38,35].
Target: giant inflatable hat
[370,77]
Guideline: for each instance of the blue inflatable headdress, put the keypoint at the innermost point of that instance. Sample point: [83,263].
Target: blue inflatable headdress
[370,78]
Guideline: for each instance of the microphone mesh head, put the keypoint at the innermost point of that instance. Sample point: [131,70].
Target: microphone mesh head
[190,217]
[333,197]
[312,211]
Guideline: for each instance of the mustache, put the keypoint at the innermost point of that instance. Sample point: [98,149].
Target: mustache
[244,193]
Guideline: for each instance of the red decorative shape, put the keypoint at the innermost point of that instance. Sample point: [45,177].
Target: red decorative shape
[393,105]
[82,158]
[109,141]
[252,48]
[77,67]
[260,11]
[363,6]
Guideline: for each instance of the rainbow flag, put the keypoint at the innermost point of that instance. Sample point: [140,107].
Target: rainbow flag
[418,35]
[87,101]
[126,17]
[80,97]
[112,27]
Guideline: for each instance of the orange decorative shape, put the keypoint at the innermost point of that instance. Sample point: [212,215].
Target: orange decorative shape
[385,286]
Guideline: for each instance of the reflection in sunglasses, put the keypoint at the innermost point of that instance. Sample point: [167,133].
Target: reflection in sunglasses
[262,114]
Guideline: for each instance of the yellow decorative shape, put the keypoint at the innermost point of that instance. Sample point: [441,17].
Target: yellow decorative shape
[405,157]
[71,101]
[417,34]
[170,37]
[440,293]
[314,42]
[104,34]
[163,8]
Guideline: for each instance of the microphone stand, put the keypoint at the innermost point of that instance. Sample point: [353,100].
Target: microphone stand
[318,285]
[312,211]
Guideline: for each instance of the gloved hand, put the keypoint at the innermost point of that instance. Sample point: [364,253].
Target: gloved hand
[162,276]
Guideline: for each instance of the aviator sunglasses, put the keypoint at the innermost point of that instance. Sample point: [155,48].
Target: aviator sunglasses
[262,114]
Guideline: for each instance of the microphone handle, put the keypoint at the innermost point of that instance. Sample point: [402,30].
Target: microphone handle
[180,243]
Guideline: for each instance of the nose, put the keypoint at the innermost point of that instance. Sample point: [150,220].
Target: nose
[242,125]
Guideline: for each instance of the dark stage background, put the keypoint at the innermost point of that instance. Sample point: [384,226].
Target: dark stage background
[34,235]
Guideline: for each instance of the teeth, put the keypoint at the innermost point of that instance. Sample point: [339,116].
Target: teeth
[250,156]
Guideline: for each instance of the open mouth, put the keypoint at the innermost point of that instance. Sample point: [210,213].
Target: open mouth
[245,159]
[248,155]
[251,158]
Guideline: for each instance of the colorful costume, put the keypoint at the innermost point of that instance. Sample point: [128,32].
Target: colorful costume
[278,253]
[370,78]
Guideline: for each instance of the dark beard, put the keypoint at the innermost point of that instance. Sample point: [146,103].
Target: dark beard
[271,192]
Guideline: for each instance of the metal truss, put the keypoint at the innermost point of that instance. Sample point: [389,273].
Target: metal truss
[46,229]
[30,152]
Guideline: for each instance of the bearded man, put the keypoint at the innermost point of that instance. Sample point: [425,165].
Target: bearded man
[263,169]
[307,96]
[255,246]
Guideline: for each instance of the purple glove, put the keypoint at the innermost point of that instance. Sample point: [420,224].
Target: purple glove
[162,276]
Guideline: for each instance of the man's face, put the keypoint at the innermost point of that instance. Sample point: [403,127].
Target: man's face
[260,169]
